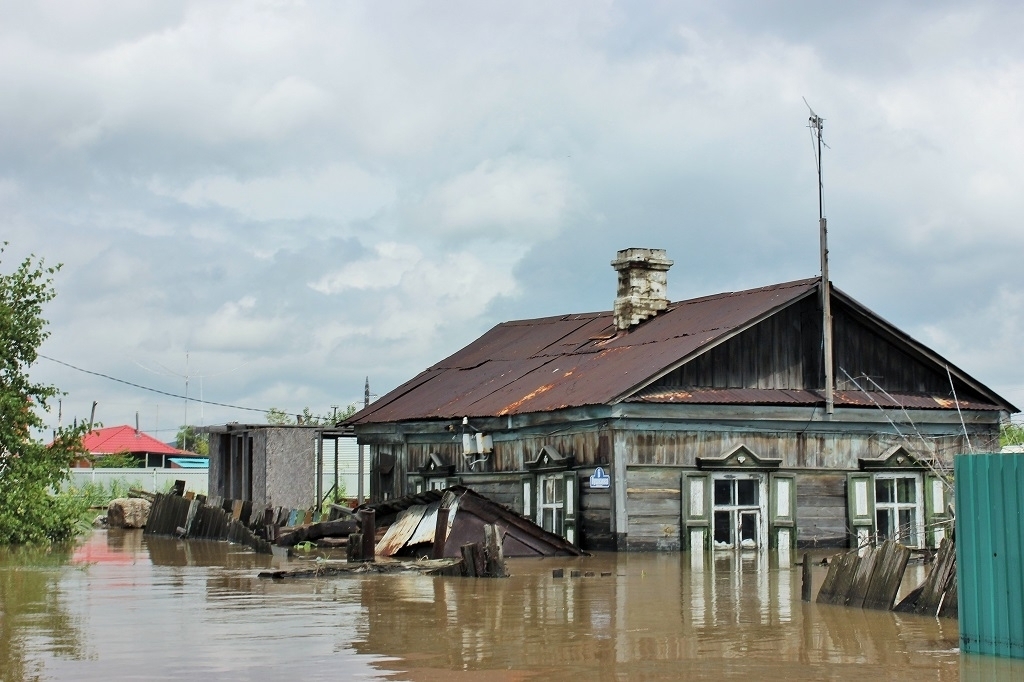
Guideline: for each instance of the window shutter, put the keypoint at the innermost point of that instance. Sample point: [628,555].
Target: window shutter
[936,516]
[782,510]
[695,504]
[571,502]
[860,504]
[417,483]
[527,484]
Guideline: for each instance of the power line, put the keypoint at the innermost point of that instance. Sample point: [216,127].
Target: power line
[147,388]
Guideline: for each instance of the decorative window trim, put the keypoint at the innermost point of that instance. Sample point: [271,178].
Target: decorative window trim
[436,466]
[550,459]
[740,457]
[896,457]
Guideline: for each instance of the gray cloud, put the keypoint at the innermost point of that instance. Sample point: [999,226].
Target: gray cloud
[299,195]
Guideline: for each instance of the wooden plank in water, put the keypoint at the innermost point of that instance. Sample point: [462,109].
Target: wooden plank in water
[887,576]
[861,579]
[936,582]
[826,590]
[338,568]
[316,531]
[950,604]
[844,579]
[833,590]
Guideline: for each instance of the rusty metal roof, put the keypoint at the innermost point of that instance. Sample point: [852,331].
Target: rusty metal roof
[772,396]
[552,363]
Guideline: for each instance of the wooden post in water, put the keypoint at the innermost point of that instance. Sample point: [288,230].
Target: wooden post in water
[440,533]
[355,548]
[493,553]
[473,561]
[805,586]
[367,521]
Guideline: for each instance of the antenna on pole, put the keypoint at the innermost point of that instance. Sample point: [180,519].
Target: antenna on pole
[816,124]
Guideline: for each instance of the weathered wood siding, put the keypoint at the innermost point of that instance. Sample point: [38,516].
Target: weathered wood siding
[784,352]
[595,518]
[653,504]
[821,509]
[590,447]
[780,352]
[863,351]
[797,450]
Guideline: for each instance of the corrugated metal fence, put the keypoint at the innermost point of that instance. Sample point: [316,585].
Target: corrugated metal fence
[990,553]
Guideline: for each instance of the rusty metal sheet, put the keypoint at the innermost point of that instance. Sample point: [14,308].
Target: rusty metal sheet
[727,396]
[399,532]
[909,400]
[470,512]
[552,363]
[774,396]
[424,532]
[572,360]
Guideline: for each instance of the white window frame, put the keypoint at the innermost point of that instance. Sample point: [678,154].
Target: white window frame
[737,511]
[895,531]
[554,481]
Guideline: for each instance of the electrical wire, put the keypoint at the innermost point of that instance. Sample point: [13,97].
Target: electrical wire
[152,390]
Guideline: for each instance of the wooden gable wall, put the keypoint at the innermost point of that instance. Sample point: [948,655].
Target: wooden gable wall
[862,350]
[784,352]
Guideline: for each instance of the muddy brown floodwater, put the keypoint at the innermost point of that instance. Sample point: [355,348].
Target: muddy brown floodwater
[120,606]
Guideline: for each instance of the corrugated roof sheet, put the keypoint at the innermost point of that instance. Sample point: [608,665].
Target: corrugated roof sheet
[114,439]
[767,396]
[551,363]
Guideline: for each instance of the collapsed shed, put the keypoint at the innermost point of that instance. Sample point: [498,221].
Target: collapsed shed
[439,522]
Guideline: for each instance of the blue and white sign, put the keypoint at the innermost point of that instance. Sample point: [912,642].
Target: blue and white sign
[600,479]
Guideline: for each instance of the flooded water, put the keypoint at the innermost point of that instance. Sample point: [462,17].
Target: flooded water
[121,606]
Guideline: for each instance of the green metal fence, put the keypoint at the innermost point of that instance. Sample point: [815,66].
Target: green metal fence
[990,553]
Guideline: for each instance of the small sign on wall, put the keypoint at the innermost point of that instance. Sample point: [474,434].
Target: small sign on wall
[600,479]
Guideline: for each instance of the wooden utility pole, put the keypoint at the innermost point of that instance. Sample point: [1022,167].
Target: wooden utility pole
[816,124]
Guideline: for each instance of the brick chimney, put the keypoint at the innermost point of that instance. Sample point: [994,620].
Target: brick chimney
[643,285]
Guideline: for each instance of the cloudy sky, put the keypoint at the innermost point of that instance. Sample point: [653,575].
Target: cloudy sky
[278,199]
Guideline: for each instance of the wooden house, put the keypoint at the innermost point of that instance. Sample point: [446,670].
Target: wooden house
[703,423]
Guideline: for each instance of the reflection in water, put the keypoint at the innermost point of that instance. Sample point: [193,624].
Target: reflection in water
[162,609]
[34,616]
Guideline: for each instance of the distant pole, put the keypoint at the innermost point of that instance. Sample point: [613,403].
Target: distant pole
[816,124]
[362,451]
[92,415]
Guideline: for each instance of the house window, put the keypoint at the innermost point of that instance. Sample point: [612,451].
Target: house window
[551,502]
[901,496]
[898,502]
[550,491]
[738,515]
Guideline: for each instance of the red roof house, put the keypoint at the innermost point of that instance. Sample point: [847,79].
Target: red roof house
[119,439]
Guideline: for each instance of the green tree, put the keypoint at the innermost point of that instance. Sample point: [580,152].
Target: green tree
[188,439]
[30,471]
[280,417]
[118,460]
[1011,434]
